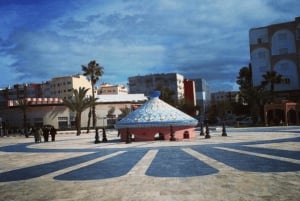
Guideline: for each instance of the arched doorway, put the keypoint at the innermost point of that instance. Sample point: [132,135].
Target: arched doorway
[285,112]
[292,117]
[186,135]
[159,136]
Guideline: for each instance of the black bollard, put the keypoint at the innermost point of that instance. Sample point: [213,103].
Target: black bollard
[172,137]
[224,130]
[207,131]
[97,137]
[201,129]
[104,139]
[128,137]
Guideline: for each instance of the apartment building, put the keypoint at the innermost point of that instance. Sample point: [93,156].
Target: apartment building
[203,96]
[58,87]
[62,87]
[224,96]
[19,91]
[276,48]
[148,83]
[46,105]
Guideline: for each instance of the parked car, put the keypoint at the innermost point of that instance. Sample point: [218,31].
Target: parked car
[246,121]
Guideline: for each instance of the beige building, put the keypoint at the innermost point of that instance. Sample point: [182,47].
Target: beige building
[62,87]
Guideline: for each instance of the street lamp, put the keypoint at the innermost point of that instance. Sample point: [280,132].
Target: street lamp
[203,105]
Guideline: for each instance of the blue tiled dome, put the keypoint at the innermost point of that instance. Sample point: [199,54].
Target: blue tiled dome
[156,113]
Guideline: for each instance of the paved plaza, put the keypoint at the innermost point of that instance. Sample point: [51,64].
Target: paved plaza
[250,164]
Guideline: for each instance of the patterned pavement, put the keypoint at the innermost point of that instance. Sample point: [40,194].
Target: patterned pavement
[254,150]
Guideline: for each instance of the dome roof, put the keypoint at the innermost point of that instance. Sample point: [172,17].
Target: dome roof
[156,113]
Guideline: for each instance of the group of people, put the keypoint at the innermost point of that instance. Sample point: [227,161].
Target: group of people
[44,133]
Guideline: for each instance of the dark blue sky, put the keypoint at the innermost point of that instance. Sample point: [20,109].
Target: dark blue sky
[41,39]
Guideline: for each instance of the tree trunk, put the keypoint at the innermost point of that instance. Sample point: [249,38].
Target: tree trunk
[93,107]
[89,120]
[78,123]
[94,117]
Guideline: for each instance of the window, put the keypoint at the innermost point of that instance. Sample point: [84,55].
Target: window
[261,55]
[285,81]
[283,67]
[298,33]
[282,36]
[259,41]
[283,51]
[62,118]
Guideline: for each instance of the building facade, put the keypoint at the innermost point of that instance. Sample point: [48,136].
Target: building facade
[149,83]
[46,105]
[224,96]
[44,111]
[62,87]
[19,91]
[277,48]
[189,91]
[202,91]
[58,87]
[112,89]
[203,96]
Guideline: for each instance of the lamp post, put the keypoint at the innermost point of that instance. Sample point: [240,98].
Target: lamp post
[224,130]
[104,138]
[201,129]
[203,105]
[207,131]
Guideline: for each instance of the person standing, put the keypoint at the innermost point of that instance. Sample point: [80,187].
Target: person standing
[35,134]
[46,134]
[52,133]
[40,134]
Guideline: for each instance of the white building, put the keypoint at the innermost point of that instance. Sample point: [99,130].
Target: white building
[149,83]
[52,111]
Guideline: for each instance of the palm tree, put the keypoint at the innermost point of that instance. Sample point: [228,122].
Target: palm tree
[93,71]
[272,78]
[24,106]
[78,103]
[89,116]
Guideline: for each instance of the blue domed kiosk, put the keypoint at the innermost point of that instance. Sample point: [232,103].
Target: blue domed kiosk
[156,119]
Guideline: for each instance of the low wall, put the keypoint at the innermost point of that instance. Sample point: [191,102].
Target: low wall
[163,133]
